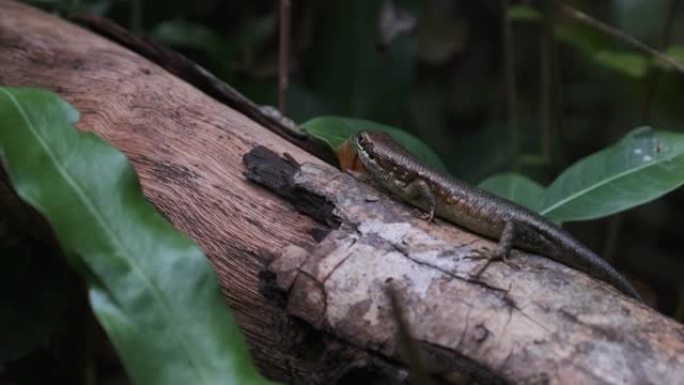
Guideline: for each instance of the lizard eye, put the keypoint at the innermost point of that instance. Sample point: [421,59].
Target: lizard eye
[363,140]
[367,145]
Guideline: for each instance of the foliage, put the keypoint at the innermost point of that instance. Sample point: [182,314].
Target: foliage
[151,288]
[521,12]
[641,167]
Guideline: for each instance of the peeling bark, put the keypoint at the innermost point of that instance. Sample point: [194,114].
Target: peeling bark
[533,321]
[322,315]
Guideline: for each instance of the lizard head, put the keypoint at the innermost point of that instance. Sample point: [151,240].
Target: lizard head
[380,155]
[384,158]
[363,144]
[361,141]
[378,146]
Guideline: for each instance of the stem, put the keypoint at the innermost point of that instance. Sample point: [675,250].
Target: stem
[615,224]
[654,76]
[284,55]
[511,88]
[546,92]
[621,35]
[135,16]
[610,244]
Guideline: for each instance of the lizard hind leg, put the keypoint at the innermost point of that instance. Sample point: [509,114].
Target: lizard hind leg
[502,251]
[418,190]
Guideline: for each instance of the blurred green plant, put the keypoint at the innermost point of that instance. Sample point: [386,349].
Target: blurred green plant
[150,287]
[221,53]
[595,45]
[522,12]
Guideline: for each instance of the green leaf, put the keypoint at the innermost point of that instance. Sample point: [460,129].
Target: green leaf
[587,40]
[641,167]
[629,63]
[602,50]
[676,52]
[335,130]
[520,12]
[605,51]
[515,187]
[151,288]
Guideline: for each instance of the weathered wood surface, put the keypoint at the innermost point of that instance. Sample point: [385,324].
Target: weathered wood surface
[534,321]
[539,323]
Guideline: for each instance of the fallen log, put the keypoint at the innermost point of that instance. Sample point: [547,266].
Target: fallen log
[310,290]
[187,150]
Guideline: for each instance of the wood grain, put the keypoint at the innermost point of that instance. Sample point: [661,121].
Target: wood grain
[187,150]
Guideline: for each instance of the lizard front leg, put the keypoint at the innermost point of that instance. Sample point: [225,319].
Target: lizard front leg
[502,251]
[419,191]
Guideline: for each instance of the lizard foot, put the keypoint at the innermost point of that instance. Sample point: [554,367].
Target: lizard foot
[428,216]
[489,256]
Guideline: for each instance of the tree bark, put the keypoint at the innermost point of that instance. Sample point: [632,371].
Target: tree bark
[187,150]
[534,322]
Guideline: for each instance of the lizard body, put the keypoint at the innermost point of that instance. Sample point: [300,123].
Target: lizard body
[396,170]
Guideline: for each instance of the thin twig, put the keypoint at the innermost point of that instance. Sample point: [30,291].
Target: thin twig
[511,87]
[622,36]
[556,87]
[654,76]
[546,94]
[284,55]
[135,16]
[615,223]
[612,237]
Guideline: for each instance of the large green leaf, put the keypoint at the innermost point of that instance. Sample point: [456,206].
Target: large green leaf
[602,50]
[151,288]
[641,167]
[334,130]
[515,187]
[629,63]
